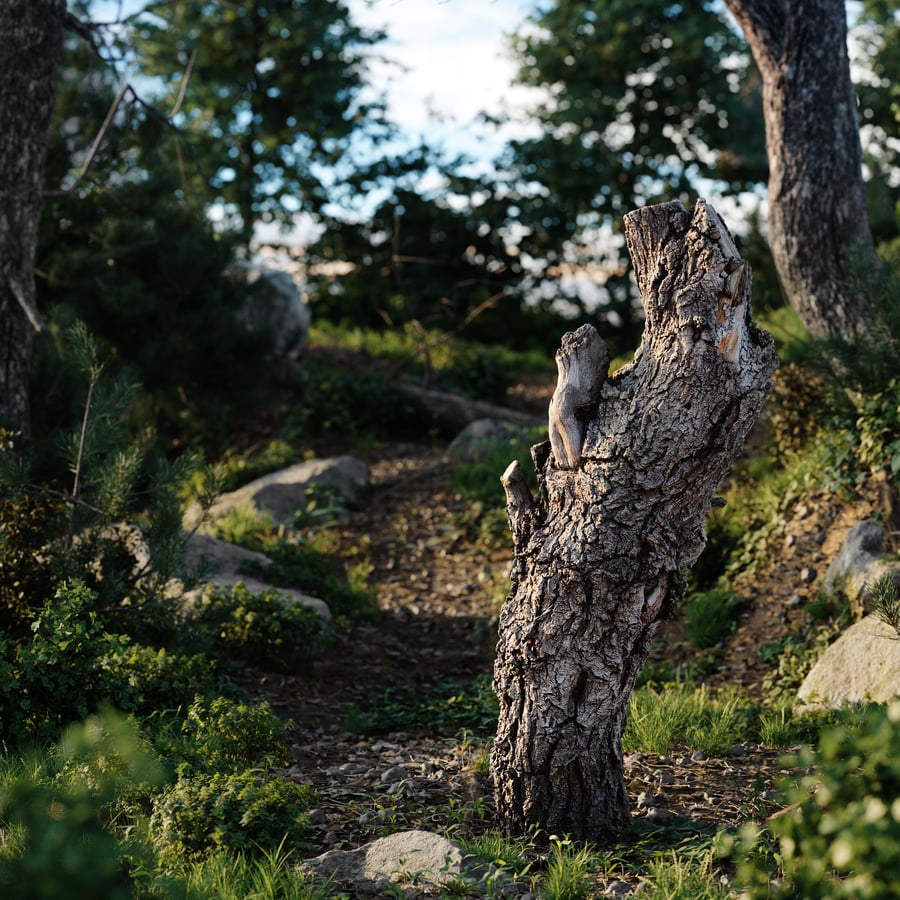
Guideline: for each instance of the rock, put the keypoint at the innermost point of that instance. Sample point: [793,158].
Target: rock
[807,575]
[224,563]
[858,564]
[420,856]
[862,664]
[481,438]
[334,484]
[274,307]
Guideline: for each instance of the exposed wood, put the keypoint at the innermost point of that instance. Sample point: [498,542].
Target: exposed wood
[625,487]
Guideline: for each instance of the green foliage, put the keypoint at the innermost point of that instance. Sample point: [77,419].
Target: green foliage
[203,814]
[795,409]
[617,80]
[843,836]
[861,373]
[348,402]
[448,706]
[62,845]
[273,99]
[70,665]
[266,628]
[222,735]
[885,599]
[711,616]
[318,573]
[569,874]
[673,878]
[270,875]
[679,714]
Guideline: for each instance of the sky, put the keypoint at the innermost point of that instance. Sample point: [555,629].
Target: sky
[456,64]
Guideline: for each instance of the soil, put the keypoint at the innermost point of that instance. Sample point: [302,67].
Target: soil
[438,593]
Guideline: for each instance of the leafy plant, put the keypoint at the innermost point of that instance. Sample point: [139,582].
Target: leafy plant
[63,847]
[225,736]
[265,628]
[710,616]
[202,814]
[449,705]
[842,835]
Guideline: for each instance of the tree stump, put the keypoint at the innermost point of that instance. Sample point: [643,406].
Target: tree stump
[625,484]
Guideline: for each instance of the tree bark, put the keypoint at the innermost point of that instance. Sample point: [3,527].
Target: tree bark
[626,481]
[31,34]
[817,200]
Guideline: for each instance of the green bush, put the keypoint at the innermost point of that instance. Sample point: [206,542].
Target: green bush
[224,736]
[70,665]
[59,814]
[709,617]
[264,629]
[203,814]
[842,839]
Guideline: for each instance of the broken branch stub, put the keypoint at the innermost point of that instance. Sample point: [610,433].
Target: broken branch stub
[633,463]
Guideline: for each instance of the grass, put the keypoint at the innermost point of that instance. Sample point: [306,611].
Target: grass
[711,616]
[660,719]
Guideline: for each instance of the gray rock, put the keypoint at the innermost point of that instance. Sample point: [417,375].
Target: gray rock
[405,857]
[862,664]
[482,437]
[219,564]
[334,484]
[275,307]
[858,564]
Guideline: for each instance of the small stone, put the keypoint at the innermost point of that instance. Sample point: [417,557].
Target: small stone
[317,817]
[392,775]
[698,756]
[659,816]
[807,575]
[790,540]
[646,800]
[664,776]
[795,601]
[820,536]
[617,889]
[331,838]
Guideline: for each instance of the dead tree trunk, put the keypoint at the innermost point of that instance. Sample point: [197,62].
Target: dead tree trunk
[626,482]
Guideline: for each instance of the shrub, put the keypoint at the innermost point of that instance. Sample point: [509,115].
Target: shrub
[62,845]
[222,735]
[842,839]
[710,616]
[265,628]
[203,814]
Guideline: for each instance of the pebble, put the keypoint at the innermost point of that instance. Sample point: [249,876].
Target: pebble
[664,776]
[796,600]
[659,816]
[698,756]
[617,889]
[317,817]
[646,800]
[807,575]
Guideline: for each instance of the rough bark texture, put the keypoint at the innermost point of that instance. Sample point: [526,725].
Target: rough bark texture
[625,485]
[30,48]
[817,203]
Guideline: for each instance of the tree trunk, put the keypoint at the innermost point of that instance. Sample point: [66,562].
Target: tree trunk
[626,482]
[30,48]
[817,201]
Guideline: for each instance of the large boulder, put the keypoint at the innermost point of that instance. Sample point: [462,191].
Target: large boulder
[408,857]
[319,486]
[863,664]
[275,307]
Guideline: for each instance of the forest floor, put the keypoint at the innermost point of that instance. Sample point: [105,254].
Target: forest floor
[439,593]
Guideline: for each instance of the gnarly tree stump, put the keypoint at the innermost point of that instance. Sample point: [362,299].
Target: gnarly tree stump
[625,484]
